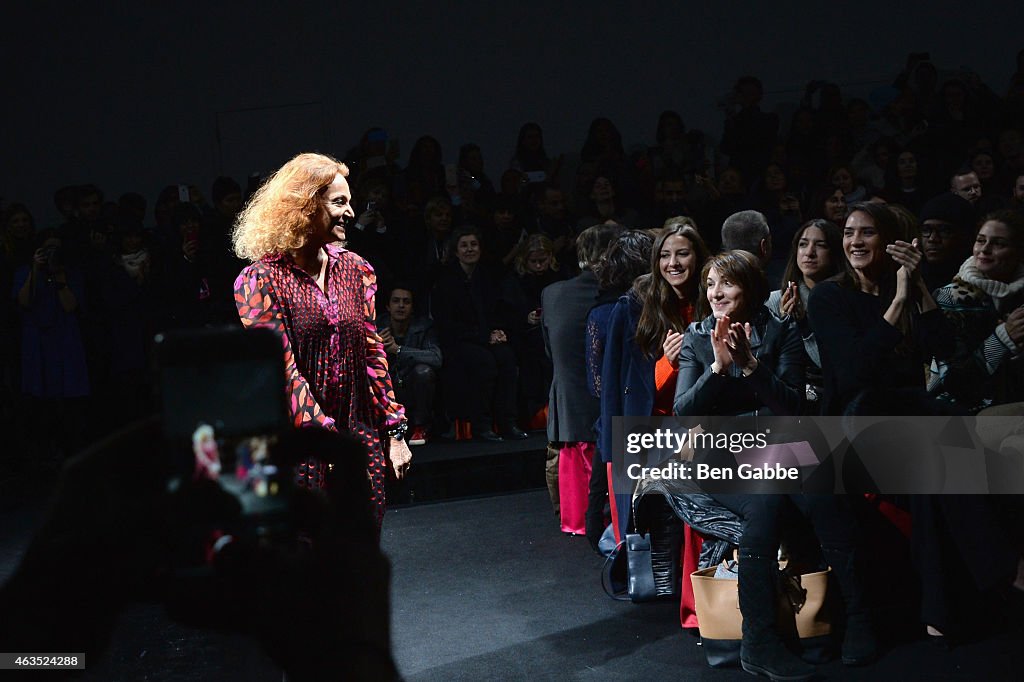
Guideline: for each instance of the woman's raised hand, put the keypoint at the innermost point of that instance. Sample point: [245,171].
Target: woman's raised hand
[739,347]
[720,345]
[908,257]
[672,345]
[791,306]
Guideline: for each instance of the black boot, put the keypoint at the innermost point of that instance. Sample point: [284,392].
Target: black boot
[762,652]
[859,644]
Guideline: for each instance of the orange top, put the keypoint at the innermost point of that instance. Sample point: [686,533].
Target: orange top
[665,374]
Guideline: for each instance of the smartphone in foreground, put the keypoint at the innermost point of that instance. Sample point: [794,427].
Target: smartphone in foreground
[224,405]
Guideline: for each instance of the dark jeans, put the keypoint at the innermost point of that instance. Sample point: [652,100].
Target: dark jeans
[763,516]
[415,389]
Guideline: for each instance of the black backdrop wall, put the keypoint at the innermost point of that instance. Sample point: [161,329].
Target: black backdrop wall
[141,95]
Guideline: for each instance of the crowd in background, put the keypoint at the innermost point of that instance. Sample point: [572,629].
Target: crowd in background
[471,254]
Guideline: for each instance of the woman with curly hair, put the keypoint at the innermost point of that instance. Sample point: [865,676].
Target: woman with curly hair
[320,298]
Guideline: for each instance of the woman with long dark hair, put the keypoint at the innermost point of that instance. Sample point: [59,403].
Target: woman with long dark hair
[645,333]
[815,255]
[877,323]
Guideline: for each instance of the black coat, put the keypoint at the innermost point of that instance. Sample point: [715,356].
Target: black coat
[572,411]
[859,348]
[466,308]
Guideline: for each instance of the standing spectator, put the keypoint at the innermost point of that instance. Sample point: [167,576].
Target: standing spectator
[645,335]
[626,258]
[572,411]
[54,373]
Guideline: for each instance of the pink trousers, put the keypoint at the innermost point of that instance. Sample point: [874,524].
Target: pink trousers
[574,464]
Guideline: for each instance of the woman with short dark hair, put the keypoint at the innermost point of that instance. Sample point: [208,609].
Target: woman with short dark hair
[743,360]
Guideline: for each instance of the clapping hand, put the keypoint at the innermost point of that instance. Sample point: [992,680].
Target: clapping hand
[791,306]
[730,342]
[908,256]
[672,345]
[1015,325]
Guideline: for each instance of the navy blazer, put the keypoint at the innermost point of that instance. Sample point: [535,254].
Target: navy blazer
[627,375]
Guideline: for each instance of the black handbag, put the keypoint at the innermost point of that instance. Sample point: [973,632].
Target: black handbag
[646,567]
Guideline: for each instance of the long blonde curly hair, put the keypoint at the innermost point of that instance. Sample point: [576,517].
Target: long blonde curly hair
[279,216]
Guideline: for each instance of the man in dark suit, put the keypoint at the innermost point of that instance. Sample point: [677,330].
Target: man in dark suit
[414,359]
[572,411]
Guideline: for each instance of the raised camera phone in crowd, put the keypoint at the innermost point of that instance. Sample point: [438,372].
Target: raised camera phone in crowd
[224,406]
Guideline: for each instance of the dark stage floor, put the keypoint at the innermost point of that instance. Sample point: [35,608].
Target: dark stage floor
[489,589]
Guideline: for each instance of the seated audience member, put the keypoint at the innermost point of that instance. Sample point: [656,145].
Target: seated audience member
[377,234]
[748,231]
[741,359]
[946,224]
[480,377]
[603,205]
[904,182]
[414,359]
[985,303]
[530,157]
[536,268]
[875,330]
[572,411]
[727,197]
[842,179]
[505,234]
[669,199]
[815,255]
[965,184]
[877,324]
[422,179]
[184,276]
[625,259]
[215,248]
[1017,199]
[433,250]
[781,209]
[475,188]
[552,220]
[749,133]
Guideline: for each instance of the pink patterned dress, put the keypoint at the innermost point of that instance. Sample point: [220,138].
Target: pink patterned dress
[335,362]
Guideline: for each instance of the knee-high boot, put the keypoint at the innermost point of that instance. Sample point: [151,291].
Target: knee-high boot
[859,645]
[762,651]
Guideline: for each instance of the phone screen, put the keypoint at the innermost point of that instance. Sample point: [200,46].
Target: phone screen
[223,399]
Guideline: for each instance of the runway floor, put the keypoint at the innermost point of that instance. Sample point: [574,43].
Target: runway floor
[490,589]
